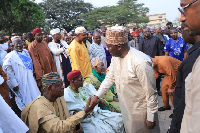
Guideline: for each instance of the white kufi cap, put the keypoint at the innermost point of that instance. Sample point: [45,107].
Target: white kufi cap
[54,31]
[79,30]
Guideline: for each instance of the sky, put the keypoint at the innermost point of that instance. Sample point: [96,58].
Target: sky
[170,7]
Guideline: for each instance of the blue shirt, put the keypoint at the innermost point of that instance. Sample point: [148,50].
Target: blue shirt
[176,49]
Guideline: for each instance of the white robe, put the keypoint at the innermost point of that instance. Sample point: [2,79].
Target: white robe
[4,46]
[3,53]
[57,51]
[9,121]
[100,121]
[96,50]
[135,85]
[19,75]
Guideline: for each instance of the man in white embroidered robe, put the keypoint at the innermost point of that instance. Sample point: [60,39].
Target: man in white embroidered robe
[60,53]
[132,72]
[19,68]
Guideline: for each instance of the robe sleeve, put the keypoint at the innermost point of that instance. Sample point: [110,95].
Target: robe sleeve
[156,73]
[146,78]
[37,67]
[55,51]
[170,73]
[108,81]
[12,82]
[63,126]
[74,55]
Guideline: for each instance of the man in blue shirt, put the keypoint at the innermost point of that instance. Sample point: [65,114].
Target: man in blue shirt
[175,46]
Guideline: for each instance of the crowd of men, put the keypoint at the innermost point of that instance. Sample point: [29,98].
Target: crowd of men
[102,81]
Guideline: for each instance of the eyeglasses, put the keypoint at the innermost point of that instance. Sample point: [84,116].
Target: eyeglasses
[108,47]
[181,9]
[80,79]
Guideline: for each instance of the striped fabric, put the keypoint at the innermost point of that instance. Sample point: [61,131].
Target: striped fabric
[15,38]
[95,61]
[50,78]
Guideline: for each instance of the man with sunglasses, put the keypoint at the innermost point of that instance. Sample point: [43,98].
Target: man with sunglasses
[188,103]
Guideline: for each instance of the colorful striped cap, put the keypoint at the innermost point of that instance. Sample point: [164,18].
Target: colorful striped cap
[95,61]
[15,38]
[50,78]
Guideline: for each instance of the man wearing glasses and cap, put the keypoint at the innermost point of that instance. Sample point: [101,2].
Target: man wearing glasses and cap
[186,96]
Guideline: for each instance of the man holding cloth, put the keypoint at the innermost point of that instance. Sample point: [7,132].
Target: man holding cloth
[132,72]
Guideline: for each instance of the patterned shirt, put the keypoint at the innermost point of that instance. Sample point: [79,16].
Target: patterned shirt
[96,50]
[176,49]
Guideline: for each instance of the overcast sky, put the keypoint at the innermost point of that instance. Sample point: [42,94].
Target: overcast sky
[170,7]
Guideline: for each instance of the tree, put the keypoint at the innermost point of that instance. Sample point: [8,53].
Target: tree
[20,16]
[125,12]
[64,14]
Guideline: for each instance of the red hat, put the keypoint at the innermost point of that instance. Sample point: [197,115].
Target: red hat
[136,32]
[73,74]
[37,30]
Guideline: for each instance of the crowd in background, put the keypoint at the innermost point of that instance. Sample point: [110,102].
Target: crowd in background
[36,67]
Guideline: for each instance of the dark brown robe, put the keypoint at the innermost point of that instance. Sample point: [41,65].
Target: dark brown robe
[43,61]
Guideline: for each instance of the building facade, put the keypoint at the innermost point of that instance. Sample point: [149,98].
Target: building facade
[157,19]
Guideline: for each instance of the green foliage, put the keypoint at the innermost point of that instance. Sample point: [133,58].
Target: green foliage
[127,11]
[20,16]
[64,14]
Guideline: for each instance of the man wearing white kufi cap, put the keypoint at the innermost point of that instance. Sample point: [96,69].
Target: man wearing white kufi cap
[132,72]
[60,53]
[79,53]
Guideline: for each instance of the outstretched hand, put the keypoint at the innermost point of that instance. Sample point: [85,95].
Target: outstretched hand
[150,125]
[88,109]
[94,101]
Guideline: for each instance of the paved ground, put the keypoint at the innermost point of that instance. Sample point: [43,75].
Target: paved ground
[164,120]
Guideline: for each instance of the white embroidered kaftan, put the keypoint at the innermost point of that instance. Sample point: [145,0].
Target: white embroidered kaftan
[135,84]
[19,68]
[9,121]
[96,50]
[100,121]
[57,50]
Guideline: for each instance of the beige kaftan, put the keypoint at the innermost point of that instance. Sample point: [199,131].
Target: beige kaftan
[191,117]
[135,83]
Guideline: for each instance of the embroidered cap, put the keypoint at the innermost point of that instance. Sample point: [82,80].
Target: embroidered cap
[15,38]
[95,61]
[79,30]
[116,35]
[50,78]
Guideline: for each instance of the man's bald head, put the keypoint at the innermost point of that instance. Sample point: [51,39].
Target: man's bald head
[96,34]
[97,38]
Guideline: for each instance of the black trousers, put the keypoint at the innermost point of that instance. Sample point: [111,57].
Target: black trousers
[158,83]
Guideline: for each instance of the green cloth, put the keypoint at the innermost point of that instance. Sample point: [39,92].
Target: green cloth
[101,78]
[113,106]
